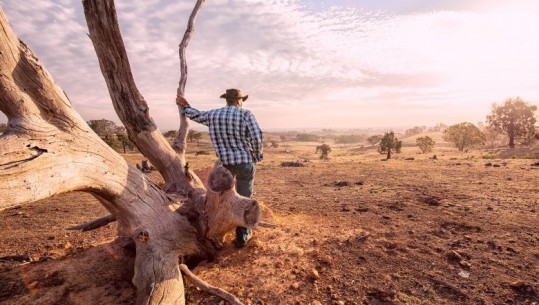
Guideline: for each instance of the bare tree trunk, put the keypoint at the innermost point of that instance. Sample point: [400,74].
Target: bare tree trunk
[511,133]
[48,149]
[129,104]
[180,141]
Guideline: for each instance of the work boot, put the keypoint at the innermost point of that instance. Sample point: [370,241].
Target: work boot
[243,235]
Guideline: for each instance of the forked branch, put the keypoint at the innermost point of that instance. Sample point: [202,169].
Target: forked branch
[49,149]
[129,104]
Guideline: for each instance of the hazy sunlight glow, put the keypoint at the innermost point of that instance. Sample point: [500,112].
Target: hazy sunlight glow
[305,64]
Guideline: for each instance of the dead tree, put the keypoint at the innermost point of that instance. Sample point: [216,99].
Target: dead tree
[48,149]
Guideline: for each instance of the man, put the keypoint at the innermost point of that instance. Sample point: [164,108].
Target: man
[238,142]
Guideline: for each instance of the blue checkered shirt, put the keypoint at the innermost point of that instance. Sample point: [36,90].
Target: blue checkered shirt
[234,132]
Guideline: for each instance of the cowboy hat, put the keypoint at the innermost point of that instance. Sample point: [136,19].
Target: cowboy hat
[234,94]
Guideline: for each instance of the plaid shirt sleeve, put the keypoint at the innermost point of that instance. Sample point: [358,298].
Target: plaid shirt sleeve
[256,136]
[196,115]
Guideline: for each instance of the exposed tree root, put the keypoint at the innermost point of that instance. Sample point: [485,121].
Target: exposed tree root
[103,221]
[94,224]
[231,299]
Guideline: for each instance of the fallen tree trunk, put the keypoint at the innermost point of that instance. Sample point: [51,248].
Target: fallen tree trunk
[48,149]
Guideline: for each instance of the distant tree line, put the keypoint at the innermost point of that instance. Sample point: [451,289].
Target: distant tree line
[307,137]
[438,127]
[115,136]
[349,139]
[414,131]
[514,119]
[192,135]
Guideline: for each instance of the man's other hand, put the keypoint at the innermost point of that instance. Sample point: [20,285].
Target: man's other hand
[181,101]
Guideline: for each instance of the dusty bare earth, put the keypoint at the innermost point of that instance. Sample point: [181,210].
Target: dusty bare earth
[350,230]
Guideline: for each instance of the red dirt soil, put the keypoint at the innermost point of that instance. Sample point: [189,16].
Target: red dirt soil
[350,230]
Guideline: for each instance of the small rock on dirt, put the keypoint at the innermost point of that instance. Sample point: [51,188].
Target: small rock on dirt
[16,258]
[512,250]
[454,255]
[464,274]
[523,287]
[341,183]
[33,285]
[434,201]
[292,164]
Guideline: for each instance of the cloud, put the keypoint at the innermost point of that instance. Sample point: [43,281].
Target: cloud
[301,62]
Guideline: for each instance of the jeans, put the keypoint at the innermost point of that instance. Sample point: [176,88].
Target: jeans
[245,176]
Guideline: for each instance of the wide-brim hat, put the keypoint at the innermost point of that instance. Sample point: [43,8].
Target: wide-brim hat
[234,94]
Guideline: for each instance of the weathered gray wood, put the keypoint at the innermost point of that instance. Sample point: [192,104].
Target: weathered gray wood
[45,138]
[128,102]
[180,142]
[48,149]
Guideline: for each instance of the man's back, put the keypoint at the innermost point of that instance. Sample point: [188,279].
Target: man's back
[234,132]
[237,139]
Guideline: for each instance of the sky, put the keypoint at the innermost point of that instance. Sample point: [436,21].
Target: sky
[303,63]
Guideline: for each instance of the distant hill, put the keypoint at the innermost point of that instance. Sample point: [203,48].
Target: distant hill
[435,135]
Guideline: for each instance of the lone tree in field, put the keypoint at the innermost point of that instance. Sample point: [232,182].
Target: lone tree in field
[426,144]
[515,118]
[389,143]
[125,142]
[194,136]
[373,140]
[48,149]
[324,151]
[464,135]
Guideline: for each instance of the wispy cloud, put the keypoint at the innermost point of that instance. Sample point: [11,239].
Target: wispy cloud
[347,63]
